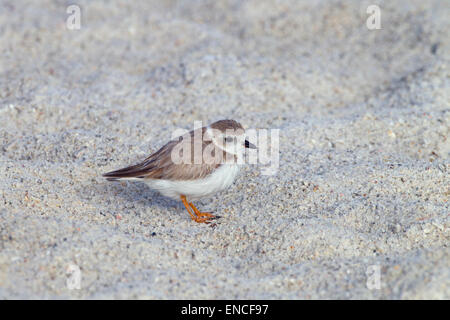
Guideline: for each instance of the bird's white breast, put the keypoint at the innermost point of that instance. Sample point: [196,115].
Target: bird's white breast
[219,180]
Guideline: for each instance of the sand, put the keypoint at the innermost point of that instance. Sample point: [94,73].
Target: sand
[358,208]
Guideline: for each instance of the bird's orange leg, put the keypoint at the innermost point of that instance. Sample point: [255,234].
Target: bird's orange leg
[193,216]
[201,214]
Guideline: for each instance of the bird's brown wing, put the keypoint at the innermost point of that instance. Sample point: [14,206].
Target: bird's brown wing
[160,165]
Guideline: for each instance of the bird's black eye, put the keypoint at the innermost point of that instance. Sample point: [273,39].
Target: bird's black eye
[228,139]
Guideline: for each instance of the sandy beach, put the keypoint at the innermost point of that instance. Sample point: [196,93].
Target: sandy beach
[358,207]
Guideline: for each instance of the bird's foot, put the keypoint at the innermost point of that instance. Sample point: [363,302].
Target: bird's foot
[203,215]
[201,220]
[197,216]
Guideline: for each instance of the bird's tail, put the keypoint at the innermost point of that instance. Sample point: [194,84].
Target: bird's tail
[125,173]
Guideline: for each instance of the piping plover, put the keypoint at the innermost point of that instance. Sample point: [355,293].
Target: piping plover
[196,165]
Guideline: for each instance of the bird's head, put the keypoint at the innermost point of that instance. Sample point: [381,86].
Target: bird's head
[229,135]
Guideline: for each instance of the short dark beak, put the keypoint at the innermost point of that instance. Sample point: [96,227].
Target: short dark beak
[249,145]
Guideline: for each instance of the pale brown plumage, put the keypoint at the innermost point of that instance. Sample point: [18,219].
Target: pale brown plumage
[159,165]
[224,125]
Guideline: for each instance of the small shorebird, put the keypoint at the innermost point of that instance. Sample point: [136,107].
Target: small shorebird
[196,165]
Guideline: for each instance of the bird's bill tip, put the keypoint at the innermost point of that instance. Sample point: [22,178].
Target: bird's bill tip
[249,145]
